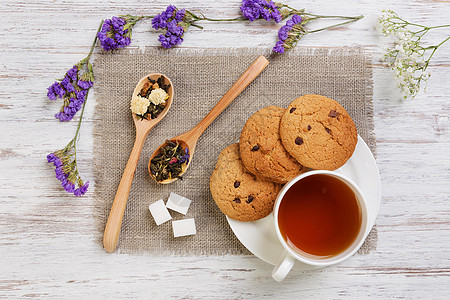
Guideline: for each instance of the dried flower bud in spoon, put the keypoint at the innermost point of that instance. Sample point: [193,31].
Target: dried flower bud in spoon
[151,100]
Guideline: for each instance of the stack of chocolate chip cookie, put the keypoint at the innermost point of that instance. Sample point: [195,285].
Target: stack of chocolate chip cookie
[275,145]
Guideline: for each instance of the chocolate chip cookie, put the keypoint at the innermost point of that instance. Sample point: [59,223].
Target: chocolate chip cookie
[238,193]
[261,149]
[318,132]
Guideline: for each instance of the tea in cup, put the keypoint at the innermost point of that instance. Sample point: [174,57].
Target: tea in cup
[320,218]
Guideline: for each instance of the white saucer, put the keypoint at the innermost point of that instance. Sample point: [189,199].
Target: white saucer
[259,236]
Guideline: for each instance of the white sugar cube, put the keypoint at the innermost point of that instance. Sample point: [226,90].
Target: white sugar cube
[178,203]
[159,212]
[184,227]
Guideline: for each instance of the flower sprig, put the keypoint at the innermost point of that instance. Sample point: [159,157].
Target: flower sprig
[294,29]
[66,169]
[65,163]
[408,57]
[256,9]
[116,32]
[74,90]
[175,22]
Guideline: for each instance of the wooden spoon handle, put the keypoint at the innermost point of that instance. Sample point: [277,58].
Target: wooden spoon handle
[114,224]
[252,72]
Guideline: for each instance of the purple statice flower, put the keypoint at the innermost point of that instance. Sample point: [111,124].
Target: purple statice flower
[174,28]
[170,20]
[112,35]
[68,186]
[52,157]
[185,157]
[60,89]
[179,15]
[73,89]
[81,95]
[162,20]
[255,9]
[85,85]
[62,117]
[168,13]
[59,172]
[64,177]
[72,73]
[55,91]
[66,83]
[279,47]
[173,35]
[158,22]
[68,111]
[81,190]
[283,42]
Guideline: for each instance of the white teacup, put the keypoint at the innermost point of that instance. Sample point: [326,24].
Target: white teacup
[290,255]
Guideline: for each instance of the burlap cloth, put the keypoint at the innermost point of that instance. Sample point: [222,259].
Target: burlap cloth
[200,79]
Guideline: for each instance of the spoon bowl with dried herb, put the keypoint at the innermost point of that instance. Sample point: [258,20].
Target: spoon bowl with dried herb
[171,160]
[151,100]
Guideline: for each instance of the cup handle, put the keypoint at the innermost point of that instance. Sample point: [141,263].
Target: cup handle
[283,266]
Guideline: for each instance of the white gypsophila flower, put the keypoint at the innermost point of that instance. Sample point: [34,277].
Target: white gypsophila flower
[139,105]
[158,96]
[405,55]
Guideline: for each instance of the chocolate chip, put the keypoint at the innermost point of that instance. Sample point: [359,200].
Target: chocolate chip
[328,130]
[249,199]
[309,127]
[292,110]
[333,113]
[299,141]
[255,148]
[237,184]
[237,200]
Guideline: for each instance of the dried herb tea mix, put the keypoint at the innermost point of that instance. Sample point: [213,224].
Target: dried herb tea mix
[151,100]
[170,162]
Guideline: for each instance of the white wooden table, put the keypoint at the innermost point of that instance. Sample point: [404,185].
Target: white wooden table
[47,246]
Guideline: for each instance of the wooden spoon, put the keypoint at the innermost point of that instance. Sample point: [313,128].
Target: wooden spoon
[143,127]
[189,139]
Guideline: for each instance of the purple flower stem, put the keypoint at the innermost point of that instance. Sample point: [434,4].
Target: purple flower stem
[86,59]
